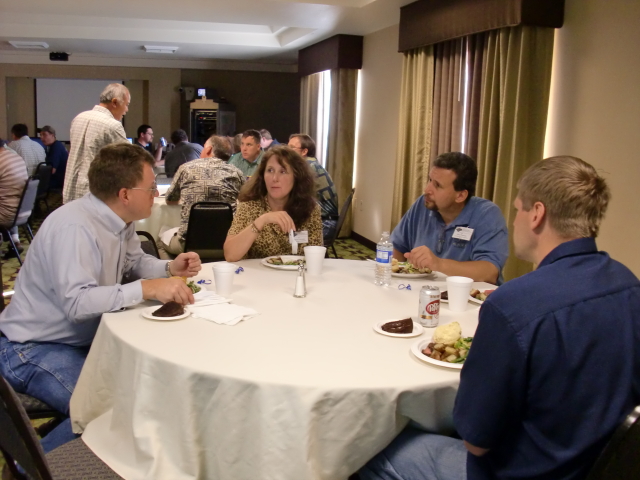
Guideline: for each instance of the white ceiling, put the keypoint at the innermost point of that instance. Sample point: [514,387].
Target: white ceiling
[257,31]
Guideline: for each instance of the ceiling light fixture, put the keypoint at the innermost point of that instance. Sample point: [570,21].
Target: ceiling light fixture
[159,49]
[33,45]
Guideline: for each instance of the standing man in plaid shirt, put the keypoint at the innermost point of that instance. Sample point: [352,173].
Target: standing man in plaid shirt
[90,131]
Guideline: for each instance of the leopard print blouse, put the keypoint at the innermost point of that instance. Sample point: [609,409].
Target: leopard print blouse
[271,240]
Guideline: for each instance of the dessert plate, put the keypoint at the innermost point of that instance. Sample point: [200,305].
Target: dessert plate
[420,345]
[417,329]
[148,313]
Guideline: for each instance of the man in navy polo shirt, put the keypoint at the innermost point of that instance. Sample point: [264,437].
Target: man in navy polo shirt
[449,230]
[553,369]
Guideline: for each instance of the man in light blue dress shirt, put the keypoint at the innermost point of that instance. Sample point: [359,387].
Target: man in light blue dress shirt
[450,230]
[73,274]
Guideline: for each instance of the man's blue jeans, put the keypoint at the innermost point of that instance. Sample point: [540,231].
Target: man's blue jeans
[47,371]
[417,455]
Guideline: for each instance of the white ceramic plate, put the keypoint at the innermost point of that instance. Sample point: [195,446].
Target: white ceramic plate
[417,330]
[420,345]
[285,258]
[148,313]
[411,275]
[471,299]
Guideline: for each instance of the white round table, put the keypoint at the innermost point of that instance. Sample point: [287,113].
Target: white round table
[162,215]
[305,390]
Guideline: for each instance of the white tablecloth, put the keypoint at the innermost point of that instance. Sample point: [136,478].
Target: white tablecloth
[162,215]
[305,390]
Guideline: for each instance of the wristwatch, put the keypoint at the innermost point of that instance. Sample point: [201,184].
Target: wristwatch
[167,269]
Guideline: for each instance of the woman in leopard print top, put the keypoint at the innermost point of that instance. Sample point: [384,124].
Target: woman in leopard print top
[280,197]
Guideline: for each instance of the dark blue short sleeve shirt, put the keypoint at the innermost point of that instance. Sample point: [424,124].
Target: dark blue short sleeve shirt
[554,367]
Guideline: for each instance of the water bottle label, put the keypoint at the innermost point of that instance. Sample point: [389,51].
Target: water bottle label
[383,256]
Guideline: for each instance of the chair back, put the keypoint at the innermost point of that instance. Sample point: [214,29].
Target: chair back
[148,244]
[209,223]
[27,202]
[343,215]
[43,173]
[18,440]
[620,459]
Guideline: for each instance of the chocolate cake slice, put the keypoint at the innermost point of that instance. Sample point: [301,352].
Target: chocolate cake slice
[399,326]
[169,309]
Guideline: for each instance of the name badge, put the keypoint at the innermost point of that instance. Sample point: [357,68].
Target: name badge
[463,233]
[301,237]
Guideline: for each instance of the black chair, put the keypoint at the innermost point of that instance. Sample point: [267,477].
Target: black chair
[343,215]
[209,223]
[43,173]
[620,459]
[148,245]
[25,207]
[18,443]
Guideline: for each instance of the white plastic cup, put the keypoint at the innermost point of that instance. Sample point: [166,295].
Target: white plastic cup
[459,289]
[314,257]
[223,274]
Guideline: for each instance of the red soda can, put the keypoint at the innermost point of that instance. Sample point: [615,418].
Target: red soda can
[429,308]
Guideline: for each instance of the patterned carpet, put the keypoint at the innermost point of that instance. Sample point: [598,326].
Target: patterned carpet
[346,248]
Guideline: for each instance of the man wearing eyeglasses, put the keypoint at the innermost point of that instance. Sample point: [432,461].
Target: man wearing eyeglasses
[145,140]
[74,272]
[449,229]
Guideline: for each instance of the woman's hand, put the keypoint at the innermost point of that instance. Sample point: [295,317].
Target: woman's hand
[281,218]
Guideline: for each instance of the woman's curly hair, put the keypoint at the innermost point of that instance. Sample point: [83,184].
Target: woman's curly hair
[302,199]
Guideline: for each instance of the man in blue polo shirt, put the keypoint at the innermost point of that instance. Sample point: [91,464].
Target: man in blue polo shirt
[449,230]
[553,369]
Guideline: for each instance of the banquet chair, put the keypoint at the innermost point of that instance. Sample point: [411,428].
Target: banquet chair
[343,215]
[620,459]
[18,443]
[43,173]
[25,207]
[209,223]
[148,245]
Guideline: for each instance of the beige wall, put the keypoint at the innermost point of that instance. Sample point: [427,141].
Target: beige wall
[595,109]
[162,108]
[377,133]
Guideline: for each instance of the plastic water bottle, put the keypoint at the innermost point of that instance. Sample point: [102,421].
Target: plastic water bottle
[384,254]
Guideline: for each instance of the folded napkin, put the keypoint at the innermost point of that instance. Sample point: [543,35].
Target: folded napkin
[167,235]
[207,297]
[222,313]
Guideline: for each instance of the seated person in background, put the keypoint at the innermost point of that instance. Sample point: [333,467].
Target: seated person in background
[248,160]
[449,230]
[208,179]
[266,140]
[145,137]
[13,177]
[31,152]
[183,152]
[326,194]
[73,274]
[57,156]
[540,392]
[236,141]
[278,198]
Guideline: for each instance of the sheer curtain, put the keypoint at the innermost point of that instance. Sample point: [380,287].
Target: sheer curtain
[516,82]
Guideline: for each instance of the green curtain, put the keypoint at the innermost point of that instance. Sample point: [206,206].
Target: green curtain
[516,80]
[414,131]
[342,135]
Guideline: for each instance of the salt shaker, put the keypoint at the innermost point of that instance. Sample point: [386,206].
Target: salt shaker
[301,285]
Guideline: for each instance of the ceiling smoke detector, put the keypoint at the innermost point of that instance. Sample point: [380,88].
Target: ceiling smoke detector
[159,49]
[31,45]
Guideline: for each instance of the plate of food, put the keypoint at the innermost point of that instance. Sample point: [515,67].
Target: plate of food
[283,262]
[447,348]
[479,296]
[404,328]
[168,312]
[406,270]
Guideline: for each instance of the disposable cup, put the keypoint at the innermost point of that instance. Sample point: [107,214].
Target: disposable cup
[223,274]
[314,257]
[459,289]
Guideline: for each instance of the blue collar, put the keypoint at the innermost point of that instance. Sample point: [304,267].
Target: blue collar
[579,246]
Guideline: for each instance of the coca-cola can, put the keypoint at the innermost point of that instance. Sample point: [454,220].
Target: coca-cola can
[429,308]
